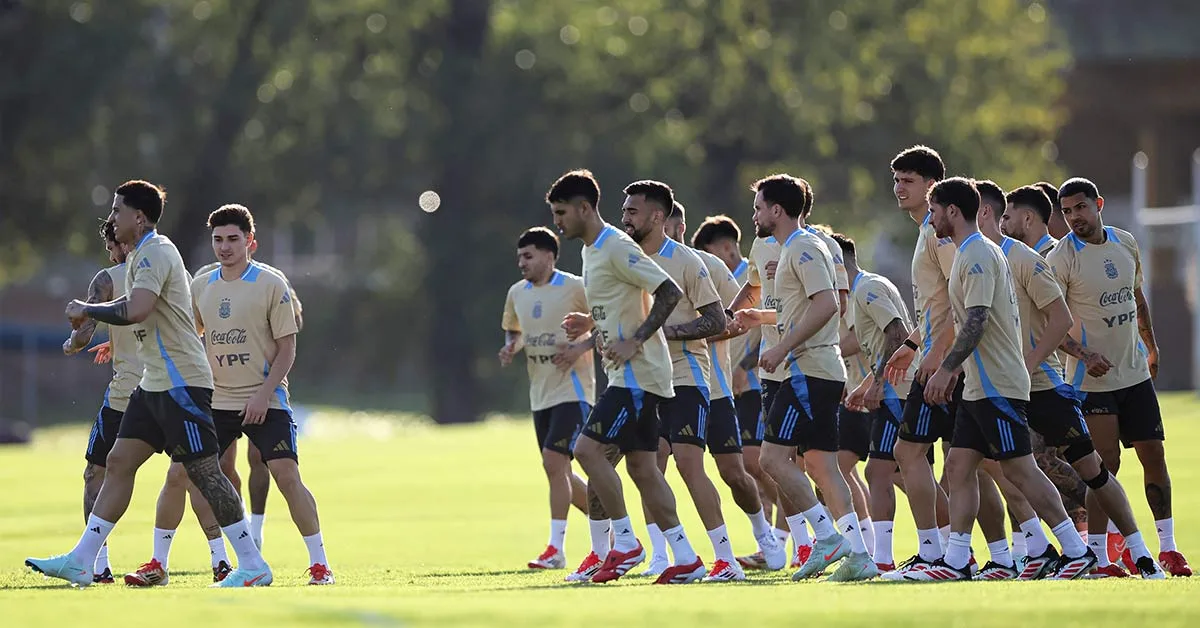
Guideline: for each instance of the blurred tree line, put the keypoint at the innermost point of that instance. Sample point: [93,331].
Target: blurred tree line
[329,117]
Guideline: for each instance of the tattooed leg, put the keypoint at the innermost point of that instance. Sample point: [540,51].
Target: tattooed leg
[93,479]
[1158,482]
[206,475]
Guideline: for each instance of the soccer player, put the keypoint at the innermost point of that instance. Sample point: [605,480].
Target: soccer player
[991,419]
[107,285]
[722,437]
[1100,270]
[1056,224]
[618,281]
[562,378]
[803,417]
[170,409]
[1053,409]
[881,323]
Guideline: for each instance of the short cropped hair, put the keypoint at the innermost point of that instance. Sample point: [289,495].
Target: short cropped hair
[957,191]
[991,193]
[575,184]
[539,238]
[656,191]
[922,160]
[1033,197]
[1076,185]
[716,228]
[144,196]
[232,214]
[784,190]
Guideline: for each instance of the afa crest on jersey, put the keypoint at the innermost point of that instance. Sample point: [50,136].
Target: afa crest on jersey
[537,309]
[1110,269]
[225,309]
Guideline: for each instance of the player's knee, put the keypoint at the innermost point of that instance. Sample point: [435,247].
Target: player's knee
[731,470]
[1097,478]
[286,473]
[554,463]
[1076,453]
[177,477]
[1150,453]
[254,457]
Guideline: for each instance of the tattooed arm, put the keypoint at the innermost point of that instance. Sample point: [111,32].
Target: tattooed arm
[99,291]
[127,310]
[894,336]
[666,297]
[1097,365]
[968,337]
[711,322]
[1146,331]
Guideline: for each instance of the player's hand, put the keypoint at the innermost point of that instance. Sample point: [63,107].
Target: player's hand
[771,360]
[748,318]
[741,381]
[622,351]
[506,354]
[855,401]
[1152,362]
[940,387]
[568,355]
[103,352]
[770,268]
[70,347]
[76,313]
[1098,365]
[577,324]
[874,396]
[898,365]
[255,411]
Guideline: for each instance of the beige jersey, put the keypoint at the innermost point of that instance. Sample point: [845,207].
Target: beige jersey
[980,277]
[689,358]
[841,280]
[876,303]
[618,279]
[536,312]
[762,252]
[806,268]
[168,345]
[1036,288]
[1099,281]
[720,376]
[296,304]
[856,365]
[740,346]
[1045,245]
[127,366]
[931,264]
[242,320]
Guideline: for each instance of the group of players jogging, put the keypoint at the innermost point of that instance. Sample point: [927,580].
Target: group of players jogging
[1031,356]
[197,362]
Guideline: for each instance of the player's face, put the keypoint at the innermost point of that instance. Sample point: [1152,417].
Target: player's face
[726,249]
[534,262]
[116,252]
[1058,225]
[568,219]
[765,216]
[675,229]
[1082,214]
[640,217]
[940,218]
[124,219]
[910,189]
[1014,223]
[231,245]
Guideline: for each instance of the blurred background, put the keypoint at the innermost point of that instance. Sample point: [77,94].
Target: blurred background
[392,151]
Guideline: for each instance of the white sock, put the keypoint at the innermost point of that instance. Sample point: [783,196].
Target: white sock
[782,535]
[256,528]
[929,545]
[599,529]
[95,533]
[102,560]
[316,550]
[162,546]
[216,549]
[799,531]
[248,556]
[1035,538]
[999,552]
[1099,544]
[680,547]
[822,524]
[958,550]
[1083,535]
[759,524]
[658,542]
[1018,545]
[1072,545]
[722,548]
[883,543]
[1112,527]
[944,535]
[1166,534]
[868,534]
[1136,545]
[624,539]
[558,533]
[847,526]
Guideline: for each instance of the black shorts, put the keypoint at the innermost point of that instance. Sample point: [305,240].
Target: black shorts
[625,417]
[723,435]
[885,429]
[1136,408]
[804,414]
[995,427]
[104,434]
[927,424]
[749,414]
[854,432]
[1054,414]
[177,421]
[557,427]
[275,437]
[683,419]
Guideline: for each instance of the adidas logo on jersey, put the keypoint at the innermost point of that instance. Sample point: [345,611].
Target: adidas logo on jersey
[145,263]
[179,451]
[731,442]
[805,257]
[687,431]
[975,270]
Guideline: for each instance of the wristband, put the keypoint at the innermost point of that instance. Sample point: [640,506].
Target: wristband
[910,344]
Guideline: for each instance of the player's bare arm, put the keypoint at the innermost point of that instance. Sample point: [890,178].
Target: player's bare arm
[748,297]
[127,310]
[100,290]
[753,346]
[666,297]
[570,352]
[711,322]
[1058,324]
[512,345]
[576,324]
[285,356]
[849,344]
[900,359]
[894,336]
[939,387]
[1097,365]
[1146,331]
[824,306]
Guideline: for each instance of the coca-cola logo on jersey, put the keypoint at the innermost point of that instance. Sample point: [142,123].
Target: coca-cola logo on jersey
[1124,295]
[229,337]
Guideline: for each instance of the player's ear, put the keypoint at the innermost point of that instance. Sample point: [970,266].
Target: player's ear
[1099,203]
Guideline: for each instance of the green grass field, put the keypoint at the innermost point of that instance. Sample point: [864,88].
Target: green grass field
[433,526]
